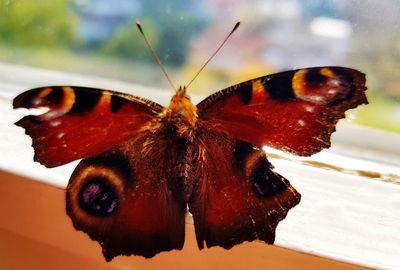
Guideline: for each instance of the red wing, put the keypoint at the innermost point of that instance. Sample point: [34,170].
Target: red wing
[80,122]
[238,197]
[125,202]
[295,111]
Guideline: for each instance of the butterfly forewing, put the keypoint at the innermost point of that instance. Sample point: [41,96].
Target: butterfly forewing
[294,111]
[80,122]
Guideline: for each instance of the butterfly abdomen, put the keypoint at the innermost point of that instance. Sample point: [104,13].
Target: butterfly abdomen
[182,176]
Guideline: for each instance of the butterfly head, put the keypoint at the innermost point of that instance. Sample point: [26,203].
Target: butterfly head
[181,113]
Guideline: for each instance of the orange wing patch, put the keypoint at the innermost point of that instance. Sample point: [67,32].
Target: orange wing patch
[321,86]
[259,92]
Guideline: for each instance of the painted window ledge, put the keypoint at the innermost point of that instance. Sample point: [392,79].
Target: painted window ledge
[350,209]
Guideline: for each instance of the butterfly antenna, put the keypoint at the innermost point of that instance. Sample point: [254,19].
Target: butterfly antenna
[216,51]
[155,55]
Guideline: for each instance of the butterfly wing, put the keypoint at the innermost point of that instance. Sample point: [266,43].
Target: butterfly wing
[294,111]
[238,197]
[80,122]
[125,202]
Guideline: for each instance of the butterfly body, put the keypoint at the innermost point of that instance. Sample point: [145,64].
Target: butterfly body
[144,165]
[181,113]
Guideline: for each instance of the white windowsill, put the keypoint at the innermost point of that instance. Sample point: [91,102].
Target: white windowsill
[344,216]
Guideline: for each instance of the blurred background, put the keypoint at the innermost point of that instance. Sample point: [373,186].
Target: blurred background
[98,37]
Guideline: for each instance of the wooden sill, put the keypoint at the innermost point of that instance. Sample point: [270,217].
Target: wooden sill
[35,233]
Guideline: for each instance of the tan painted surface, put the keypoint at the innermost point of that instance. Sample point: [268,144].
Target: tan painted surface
[35,233]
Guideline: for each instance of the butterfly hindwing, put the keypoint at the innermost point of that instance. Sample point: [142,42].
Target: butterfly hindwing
[237,196]
[295,111]
[127,199]
[80,122]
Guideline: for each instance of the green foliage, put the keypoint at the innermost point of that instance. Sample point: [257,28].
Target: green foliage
[128,42]
[170,42]
[169,26]
[381,112]
[37,23]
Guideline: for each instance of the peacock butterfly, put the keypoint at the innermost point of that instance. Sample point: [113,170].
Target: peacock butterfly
[144,165]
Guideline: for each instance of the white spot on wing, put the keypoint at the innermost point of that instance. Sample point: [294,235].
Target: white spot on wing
[55,123]
[309,108]
[60,135]
[332,91]
[301,122]
[334,82]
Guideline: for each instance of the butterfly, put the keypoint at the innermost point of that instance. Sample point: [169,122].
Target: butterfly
[144,166]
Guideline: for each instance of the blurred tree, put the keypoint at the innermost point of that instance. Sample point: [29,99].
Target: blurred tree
[169,27]
[37,23]
[129,43]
